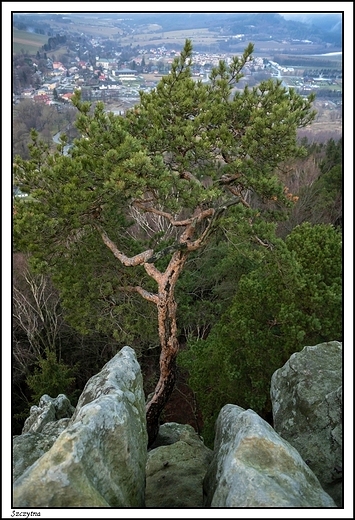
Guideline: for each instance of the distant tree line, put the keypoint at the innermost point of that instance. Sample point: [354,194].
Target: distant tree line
[326,93]
[272,23]
[31,25]
[322,93]
[306,61]
[328,73]
[54,42]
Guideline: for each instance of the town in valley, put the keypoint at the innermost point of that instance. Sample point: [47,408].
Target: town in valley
[112,57]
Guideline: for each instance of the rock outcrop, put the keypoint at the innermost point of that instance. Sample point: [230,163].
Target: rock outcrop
[176,467]
[306,396]
[96,454]
[41,429]
[48,410]
[253,466]
[99,459]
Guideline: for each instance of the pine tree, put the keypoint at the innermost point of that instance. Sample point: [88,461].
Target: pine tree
[146,190]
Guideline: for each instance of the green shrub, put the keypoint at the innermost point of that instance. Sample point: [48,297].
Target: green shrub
[293,299]
[51,377]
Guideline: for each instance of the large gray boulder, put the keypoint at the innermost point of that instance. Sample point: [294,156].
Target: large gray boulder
[99,459]
[172,432]
[306,395]
[253,466]
[175,470]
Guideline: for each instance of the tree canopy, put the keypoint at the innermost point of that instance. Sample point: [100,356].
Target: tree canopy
[119,214]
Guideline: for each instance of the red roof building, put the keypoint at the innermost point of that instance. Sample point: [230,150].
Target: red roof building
[68,96]
[43,98]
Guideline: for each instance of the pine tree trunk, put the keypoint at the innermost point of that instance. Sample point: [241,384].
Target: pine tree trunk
[165,302]
[169,348]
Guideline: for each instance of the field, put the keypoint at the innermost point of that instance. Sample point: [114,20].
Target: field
[99,29]
[198,36]
[150,34]
[29,42]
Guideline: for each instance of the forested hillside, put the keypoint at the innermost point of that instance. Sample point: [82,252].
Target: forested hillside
[196,228]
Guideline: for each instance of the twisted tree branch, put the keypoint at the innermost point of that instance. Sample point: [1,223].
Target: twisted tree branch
[125,260]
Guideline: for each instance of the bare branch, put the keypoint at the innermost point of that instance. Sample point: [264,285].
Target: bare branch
[151,297]
[264,243]
[237,192]
[227,179]
[37,312]
[125,260]
[151,224]
[193,221]
[152,271]
[168,216]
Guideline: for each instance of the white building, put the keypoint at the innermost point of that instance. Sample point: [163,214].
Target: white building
[126,74]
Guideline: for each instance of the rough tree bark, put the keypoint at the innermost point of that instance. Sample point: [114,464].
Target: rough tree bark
[167,327]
